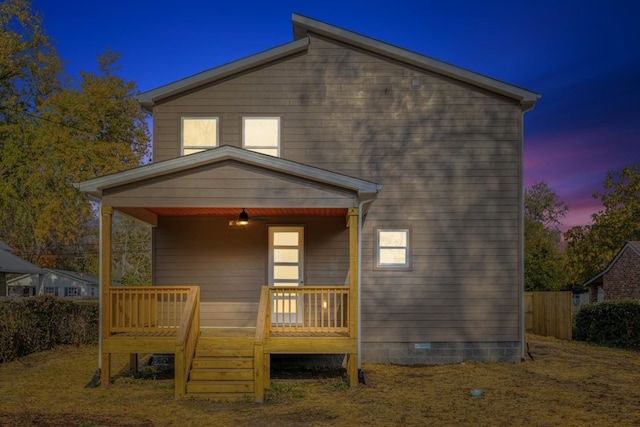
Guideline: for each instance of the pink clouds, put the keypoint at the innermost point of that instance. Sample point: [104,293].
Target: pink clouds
[575,166]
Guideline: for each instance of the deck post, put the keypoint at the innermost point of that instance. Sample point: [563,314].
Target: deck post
[105,283]
[258,373]
[352,359]
[133,362]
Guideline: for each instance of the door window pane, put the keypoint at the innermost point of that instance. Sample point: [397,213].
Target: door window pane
[285,255]
[285,238]
[285,272]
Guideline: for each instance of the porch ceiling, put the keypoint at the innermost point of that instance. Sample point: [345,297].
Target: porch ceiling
[253,212]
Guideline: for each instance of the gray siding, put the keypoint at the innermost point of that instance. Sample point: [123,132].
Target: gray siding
[230,263]
[229,185]
[448,155]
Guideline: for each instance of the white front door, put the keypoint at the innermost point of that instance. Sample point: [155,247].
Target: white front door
[286,268]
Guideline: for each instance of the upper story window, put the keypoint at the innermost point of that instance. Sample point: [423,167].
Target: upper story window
[199,134]
[261,134]
[392,248]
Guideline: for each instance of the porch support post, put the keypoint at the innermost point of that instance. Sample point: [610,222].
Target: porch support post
[352,359]
[105,283]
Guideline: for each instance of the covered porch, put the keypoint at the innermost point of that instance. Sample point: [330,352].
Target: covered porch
[224,296]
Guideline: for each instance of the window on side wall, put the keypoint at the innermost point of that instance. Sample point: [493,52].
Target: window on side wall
[393,249]
[261,134]
[199,134]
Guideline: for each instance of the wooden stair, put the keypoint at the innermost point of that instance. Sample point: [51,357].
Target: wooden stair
[222,369]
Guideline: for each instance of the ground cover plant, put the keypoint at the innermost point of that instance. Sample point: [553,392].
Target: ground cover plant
[568,384]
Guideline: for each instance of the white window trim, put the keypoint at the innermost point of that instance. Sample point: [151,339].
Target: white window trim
[259,147]
[404,266]
[272,229]
[198,147]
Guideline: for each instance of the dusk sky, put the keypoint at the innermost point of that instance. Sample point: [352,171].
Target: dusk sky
[582,56]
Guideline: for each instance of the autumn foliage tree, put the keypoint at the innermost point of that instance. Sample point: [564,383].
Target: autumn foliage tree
[591,247]
[56,131]
[29,73]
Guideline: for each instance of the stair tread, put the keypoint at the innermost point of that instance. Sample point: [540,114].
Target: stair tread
[220,386]
[221,369]
[222,397]
[204,357]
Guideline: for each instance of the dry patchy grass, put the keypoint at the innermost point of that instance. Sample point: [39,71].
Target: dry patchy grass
[567,384]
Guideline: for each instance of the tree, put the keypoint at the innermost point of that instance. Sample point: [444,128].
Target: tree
[543,262]
[95,129]
[541,205]
[29,74]
[55,135]
[590,248]
[29,64]
[132,251]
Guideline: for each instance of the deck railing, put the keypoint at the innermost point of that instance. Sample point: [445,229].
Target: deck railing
[148,309]
[309,309]
[160,311]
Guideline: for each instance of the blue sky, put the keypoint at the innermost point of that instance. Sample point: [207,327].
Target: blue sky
[583,57]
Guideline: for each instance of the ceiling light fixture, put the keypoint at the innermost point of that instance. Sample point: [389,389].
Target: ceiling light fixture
[243,218]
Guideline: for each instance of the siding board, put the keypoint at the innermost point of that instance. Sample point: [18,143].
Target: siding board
[448,155]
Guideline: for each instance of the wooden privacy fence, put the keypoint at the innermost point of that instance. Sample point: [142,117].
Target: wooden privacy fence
[548,314]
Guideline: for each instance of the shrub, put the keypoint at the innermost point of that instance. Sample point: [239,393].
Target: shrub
[39,323]
[611,323]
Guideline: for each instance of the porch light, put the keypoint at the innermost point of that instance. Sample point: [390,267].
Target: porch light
[243,218]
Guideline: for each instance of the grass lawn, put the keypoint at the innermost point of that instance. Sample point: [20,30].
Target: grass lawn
[567,384]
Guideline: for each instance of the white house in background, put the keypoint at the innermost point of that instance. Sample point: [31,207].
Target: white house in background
[13,265]
[59,283]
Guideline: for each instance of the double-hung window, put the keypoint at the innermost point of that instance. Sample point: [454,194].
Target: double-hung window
[199,134]
[261,134]
[392,248]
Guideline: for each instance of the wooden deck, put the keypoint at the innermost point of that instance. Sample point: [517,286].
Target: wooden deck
[166,319]
[229,363]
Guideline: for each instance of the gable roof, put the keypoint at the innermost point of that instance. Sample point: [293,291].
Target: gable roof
[84,279]
[149,98]
[302,26]
[12,264]
[87,279]
[633,246]
[97,186]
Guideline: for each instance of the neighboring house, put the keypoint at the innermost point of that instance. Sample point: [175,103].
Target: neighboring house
[11,265]
[621,278]
[376,193]
[59,283]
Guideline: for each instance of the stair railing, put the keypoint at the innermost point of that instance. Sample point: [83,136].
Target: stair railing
[186,340]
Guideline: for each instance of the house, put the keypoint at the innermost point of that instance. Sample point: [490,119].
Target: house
[11,265]
[59,283]
[620,279]
[333,195]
